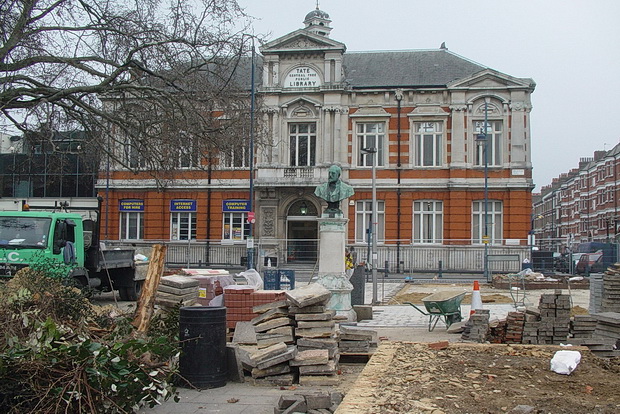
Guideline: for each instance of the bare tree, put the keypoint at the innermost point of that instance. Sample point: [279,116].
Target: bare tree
[155,84]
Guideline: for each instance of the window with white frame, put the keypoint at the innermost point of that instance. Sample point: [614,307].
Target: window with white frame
[427,221]
[182,226]
[371,135]
[428,137]
[363,219]
[302,144]
[235,226]
[236,157]
[494,143]
[188,157]
[133,156]
[493,221]
[132,225]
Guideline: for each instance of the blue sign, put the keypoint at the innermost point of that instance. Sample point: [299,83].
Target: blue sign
[131,205]
[179,206]
[229,206]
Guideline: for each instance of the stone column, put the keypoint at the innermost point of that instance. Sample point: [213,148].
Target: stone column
[332,273]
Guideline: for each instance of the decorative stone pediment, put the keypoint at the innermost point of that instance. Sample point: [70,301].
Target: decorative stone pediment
[301,41]
[428,110]
[370,111]
[491,79]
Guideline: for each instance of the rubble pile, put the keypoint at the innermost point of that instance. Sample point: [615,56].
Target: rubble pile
[175,289]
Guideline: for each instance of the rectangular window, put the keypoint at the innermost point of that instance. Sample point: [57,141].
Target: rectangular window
[302,144]
[493,143]
[371,135]
[133,156]
[493,221]
[235,226]
[428,144]
[182,226]
[236,157]
[363,217]
[427,221]
[132,226]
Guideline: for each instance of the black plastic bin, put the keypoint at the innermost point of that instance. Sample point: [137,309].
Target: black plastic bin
[202,332]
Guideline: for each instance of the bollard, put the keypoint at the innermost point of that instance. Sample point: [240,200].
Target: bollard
[440,275]
[385,271]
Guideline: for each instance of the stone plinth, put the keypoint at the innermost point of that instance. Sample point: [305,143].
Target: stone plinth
[332,275]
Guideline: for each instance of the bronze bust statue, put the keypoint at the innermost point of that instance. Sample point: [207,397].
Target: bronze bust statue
[334,191]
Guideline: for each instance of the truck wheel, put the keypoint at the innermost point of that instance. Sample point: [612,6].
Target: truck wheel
[131,293]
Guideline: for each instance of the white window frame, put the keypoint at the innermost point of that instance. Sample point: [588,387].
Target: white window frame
[366,137]
[235,226]
[428,221]
[132,155]
[182,225]
[428,143]
[235,158]
[494,223]
[127,230]
[494,143]
[363,217]
[295,139]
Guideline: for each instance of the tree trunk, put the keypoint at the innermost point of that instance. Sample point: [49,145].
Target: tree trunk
[146,302]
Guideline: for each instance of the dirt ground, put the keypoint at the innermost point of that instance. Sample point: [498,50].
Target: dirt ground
[475,378]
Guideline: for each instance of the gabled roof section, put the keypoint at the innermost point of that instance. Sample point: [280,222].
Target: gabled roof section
[489,78]
[408,68]
[301,40]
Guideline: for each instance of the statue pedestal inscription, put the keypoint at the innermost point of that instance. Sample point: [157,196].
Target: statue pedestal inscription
[332,275]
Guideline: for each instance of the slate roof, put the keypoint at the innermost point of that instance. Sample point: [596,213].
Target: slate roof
[409,68]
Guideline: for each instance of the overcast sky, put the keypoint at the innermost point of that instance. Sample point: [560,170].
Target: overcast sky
[571,48]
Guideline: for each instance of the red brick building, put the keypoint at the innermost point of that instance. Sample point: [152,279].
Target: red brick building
[422,110]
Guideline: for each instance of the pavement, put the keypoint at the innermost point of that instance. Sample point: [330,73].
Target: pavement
[392,322]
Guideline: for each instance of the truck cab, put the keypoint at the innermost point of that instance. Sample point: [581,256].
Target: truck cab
[69,239]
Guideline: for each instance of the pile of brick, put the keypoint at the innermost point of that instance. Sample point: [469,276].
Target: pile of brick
[477,327]
[319,402]
[241,299]
[211,283]
[531,323]
[611,289]
[176,289]
[514,327]
[554,318]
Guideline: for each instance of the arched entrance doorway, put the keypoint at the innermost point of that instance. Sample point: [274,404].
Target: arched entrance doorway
[302,232]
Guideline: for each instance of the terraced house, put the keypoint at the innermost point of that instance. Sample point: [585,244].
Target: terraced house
[415,117]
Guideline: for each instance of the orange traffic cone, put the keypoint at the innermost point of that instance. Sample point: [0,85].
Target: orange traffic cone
[476,299]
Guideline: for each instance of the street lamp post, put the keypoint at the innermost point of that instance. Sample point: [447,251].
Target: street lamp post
[372,234]
[482,141]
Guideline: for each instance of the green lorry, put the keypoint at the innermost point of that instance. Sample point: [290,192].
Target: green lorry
[54,234]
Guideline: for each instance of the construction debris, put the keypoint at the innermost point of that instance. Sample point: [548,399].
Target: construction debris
[177,289]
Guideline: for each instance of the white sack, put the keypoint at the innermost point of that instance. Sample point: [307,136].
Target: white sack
[565,362]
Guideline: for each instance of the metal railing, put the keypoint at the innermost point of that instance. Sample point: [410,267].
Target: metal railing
[403,258]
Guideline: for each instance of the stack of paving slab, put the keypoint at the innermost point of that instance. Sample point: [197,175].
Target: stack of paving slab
[596,293]
[315,333]
[531,324]
[477,326]
[582,326]
[611,289]
[554,318]
[354,340]
[607,325]
[177,290]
